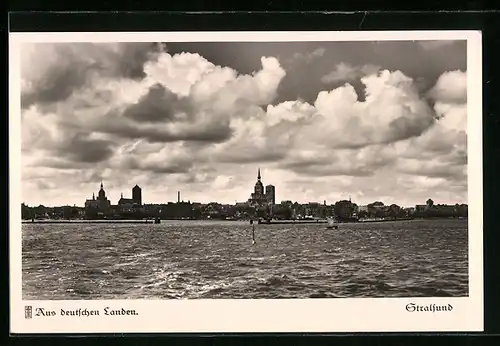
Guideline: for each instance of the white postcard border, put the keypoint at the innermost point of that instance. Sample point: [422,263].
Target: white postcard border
[259,315]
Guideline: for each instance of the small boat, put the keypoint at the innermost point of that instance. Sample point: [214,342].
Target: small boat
[332,224]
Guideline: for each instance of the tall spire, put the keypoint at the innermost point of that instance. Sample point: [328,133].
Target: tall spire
[258,175]
[122,194]
[93,196]
[101,185]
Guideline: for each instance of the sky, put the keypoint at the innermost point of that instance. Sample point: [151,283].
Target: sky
[373,121]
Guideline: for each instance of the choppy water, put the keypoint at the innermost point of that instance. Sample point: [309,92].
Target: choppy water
[188,259]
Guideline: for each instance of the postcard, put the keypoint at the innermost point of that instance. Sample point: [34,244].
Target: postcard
[235,182]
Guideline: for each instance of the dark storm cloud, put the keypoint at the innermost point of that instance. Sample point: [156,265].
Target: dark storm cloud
[72,65]
[209,133]
[76,150]
[158,105]
[87,150]
[79,148]
[57,83]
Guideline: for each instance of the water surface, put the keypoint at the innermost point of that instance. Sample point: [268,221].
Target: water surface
[207,259]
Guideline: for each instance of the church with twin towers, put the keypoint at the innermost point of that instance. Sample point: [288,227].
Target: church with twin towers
[261,197]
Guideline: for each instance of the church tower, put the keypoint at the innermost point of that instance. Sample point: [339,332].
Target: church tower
[102,194]
[259,187]
[137,194]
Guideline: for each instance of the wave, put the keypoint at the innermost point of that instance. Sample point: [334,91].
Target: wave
[381,260]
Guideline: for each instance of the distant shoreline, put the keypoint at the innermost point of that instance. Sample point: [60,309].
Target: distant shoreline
[87,221]
[276,222]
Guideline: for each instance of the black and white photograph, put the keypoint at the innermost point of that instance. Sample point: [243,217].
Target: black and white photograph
[262,170]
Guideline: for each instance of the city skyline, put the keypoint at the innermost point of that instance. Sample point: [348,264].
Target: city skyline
[179,199]
[323,120]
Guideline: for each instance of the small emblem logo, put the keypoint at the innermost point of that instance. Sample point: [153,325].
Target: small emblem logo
[28,311]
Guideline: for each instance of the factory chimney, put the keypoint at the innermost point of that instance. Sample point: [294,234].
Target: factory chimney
[178,197]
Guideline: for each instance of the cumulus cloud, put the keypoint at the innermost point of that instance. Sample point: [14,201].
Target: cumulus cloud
[392,111]
[53,72]
[181,98]
[133,112]
[339,135]
[345,73]
[451,87]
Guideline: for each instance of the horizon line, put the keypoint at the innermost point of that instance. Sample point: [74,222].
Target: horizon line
[236,202]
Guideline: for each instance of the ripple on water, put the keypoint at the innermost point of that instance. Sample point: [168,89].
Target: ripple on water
[215,260]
